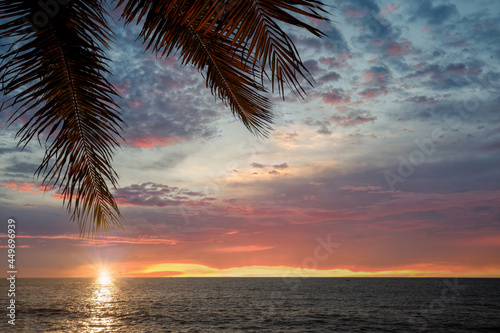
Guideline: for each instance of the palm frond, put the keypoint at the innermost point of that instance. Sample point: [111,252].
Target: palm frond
[56,79]
[235,42]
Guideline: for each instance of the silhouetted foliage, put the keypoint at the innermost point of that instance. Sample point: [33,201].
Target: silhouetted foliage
[54,71]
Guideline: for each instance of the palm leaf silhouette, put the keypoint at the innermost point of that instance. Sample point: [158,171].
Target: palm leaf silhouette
[57,78]
[59,72]
[234,42]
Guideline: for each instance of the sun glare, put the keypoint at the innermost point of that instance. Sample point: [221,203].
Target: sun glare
[104,277]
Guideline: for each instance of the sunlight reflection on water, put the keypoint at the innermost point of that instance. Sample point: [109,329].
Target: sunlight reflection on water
[101,311]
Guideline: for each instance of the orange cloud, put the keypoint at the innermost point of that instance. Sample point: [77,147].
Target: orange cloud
[154,141]
[199,270]
[20,187]
[105,240]
[27,187]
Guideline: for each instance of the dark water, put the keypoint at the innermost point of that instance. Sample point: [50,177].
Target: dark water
[254,305]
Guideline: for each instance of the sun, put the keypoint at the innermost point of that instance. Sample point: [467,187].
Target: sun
[104,276]
[104,273]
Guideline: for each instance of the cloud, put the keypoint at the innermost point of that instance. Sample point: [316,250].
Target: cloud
[22,167]
[245,248]
[152,194]
[353,119]
[361,188]
[258,165]
[149,142]
[422,100]
[374,92]
[342,61]
[435,15]
[280,166]
[16,150]
[160,98]
[331,76]
[324,125]
[397,50]
[454,75]
[335,97]
[27,187]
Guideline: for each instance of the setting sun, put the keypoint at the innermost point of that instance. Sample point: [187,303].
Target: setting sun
[104,274]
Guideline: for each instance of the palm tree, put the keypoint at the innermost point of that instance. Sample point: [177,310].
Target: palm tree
[55,66]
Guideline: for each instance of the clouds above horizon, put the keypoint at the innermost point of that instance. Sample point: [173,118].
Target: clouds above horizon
[395,147]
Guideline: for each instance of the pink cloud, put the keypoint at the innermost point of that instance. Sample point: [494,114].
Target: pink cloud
[361,188]
[353,12]
[397,50]
[20,187]
[373,92]
[336,97]
[340,61]
[231,233]
[388,9]
[27,187]
[136,103]
[122,88]
[245,248]
[153,141]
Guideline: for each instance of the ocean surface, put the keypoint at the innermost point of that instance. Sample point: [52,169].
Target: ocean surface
[254,305]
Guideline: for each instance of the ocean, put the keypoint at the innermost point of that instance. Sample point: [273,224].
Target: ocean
[254,305]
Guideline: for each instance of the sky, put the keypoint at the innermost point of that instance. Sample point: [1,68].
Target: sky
[388,167]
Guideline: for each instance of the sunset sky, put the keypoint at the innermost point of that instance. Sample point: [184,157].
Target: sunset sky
[389,166]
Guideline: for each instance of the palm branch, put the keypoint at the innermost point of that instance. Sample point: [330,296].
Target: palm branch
[57,78]
[234,42]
